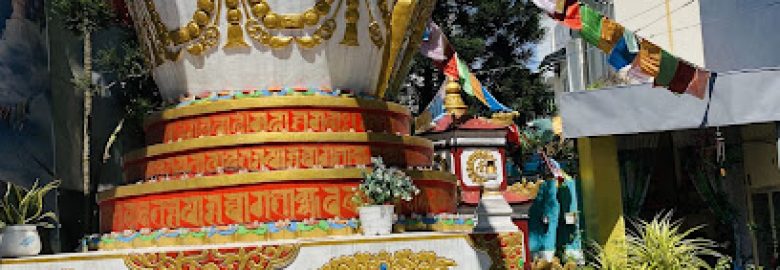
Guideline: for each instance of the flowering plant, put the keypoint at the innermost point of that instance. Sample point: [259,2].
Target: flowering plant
[384,185]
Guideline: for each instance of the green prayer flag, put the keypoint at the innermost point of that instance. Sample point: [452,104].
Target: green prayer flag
[591,25]
[667,69]
[465,77]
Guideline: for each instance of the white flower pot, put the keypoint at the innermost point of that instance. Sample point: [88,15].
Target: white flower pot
[19,241]
[376,219]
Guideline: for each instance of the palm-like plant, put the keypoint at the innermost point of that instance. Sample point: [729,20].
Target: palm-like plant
[22,206]
[661,244]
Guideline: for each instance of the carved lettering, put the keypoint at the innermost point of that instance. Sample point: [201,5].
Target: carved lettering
[212,214]
[235,205]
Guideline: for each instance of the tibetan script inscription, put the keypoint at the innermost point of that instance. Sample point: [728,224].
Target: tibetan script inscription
[263,158]
[239,122]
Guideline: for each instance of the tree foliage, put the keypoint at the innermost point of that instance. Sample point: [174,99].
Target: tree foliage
[496,38]
[80,16]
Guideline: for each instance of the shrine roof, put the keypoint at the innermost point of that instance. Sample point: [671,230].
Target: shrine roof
[445,123]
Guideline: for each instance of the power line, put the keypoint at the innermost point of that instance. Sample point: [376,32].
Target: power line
[714,20]
[665,15]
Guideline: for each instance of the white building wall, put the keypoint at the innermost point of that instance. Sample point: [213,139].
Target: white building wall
[674,25]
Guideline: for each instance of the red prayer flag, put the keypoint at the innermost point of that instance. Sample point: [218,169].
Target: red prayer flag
[572,18]
[451,69]
[698,85]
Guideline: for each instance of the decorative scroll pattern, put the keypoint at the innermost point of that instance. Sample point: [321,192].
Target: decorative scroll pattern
[245,204]
[402,259]
[272,157]
[238,122]
[262,257]
[506,250]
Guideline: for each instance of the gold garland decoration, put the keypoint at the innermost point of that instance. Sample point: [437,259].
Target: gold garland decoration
[402,259]
[263,257]
[471,165]
[201,33]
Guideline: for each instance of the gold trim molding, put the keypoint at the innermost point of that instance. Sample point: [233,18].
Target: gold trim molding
[255,178]
[274,137]
[275,102]
[263,257]
[402,259]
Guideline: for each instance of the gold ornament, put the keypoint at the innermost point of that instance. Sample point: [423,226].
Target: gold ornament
[402,259]
[453,102]
[261,257]
[479,165]
[264,18]
[351,17]
[504,249]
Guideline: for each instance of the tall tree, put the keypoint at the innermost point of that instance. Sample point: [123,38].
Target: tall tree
[496,38]
[83,18]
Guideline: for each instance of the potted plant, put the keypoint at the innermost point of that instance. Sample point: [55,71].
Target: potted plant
[376,194]
[21,211]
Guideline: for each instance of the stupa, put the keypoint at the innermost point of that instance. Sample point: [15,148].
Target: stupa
[279,110]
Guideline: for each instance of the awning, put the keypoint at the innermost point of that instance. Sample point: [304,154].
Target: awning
[740,97]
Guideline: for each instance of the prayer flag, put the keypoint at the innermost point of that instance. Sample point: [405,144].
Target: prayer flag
[451,69]
[611,32]
[635,72]
[591,25]
[620,55]
[666,70]
[698,85]
[492,103]
[572,17]
[631,43]
[434,47]
[560,6]
[465,77]
[546,5]
[682,77]
[649,58]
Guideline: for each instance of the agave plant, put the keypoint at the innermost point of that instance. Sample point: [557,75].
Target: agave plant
[661,244]
[384,185]
[22,206]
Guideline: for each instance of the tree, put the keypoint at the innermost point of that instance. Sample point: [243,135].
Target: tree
[83,18]
[496,38]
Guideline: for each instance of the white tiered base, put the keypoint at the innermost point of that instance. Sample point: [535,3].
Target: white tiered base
[312,254]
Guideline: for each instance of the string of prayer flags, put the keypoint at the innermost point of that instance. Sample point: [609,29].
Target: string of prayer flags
[640,58]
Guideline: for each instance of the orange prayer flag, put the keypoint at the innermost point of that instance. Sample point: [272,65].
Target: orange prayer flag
[649,57]
[611,32]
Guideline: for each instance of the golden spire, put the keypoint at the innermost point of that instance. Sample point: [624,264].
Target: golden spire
[453,102]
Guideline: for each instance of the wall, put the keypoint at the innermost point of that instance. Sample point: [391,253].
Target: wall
[672,24]
[740,34]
